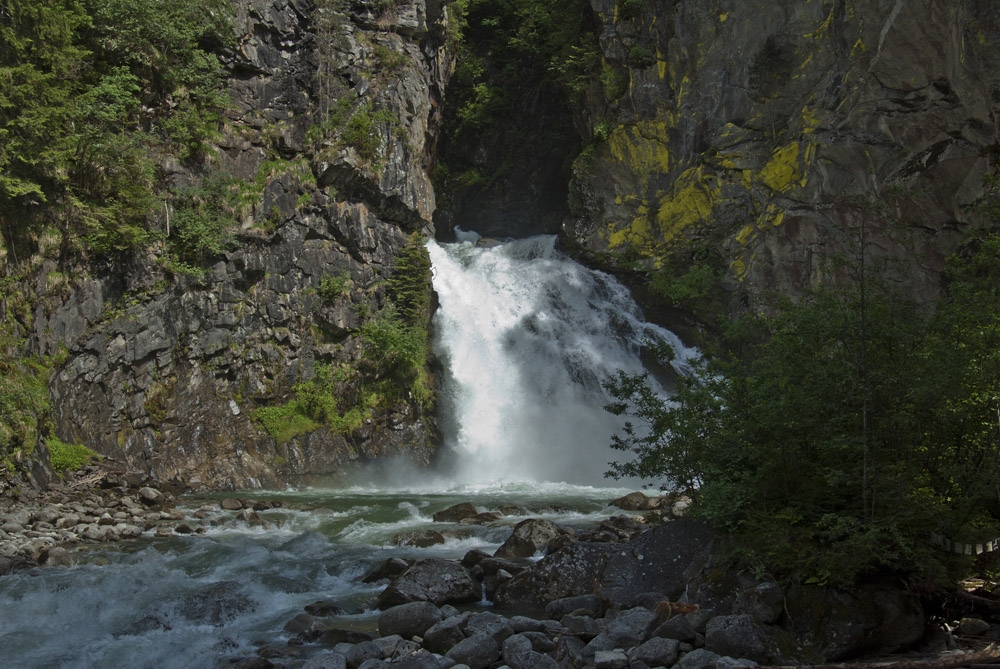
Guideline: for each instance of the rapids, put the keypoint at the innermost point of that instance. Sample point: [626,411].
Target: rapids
[525,337]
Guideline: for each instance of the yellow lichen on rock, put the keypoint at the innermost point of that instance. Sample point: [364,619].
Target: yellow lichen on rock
[786,168]
[691,201]
[642,148]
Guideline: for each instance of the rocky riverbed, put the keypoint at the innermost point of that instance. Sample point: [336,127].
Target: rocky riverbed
[641,588]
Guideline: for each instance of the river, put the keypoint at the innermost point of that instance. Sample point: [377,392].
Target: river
[525,336]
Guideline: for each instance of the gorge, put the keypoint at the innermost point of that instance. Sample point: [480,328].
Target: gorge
[384,255]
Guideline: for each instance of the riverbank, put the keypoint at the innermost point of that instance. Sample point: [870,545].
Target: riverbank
[258,575]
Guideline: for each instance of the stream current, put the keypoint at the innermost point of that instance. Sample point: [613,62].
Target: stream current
[526,337]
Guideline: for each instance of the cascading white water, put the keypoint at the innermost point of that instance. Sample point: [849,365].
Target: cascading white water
[528,336]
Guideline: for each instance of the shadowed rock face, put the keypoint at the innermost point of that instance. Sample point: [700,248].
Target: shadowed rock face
[162,372]
[781,134]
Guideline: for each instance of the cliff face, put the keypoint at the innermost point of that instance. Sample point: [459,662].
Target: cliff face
[330,136]
[780,141]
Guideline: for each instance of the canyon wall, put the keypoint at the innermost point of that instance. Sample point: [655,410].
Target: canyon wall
[780,142]
[163,371]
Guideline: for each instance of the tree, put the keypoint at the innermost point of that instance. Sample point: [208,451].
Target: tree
[856,427]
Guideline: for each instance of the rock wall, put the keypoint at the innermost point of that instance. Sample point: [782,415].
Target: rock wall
[163,370]
[786,139]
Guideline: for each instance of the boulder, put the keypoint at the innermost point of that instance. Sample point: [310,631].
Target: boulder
[418,539]
[611,659]
[764,602]
[566,573]
[637,501]
[530,537]
[433,580]
[442,636]
[871,618]
[662,559]
[388,569]
[408,620]
[456,513]
[495,625]
[743,636]
[479,651]
[656,652]
[151,496]
[626,630]
[700,658]
[326,661]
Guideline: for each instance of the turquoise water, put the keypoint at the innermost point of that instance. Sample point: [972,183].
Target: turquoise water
[201,600]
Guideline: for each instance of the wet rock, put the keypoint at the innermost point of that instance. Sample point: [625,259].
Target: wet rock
[418,539]
[432,580]
[973,627]
[627,629]
[700,658]
[479,651]
[656,652]
[216,604]
[530,537]
[743,636]
[765,602]
[324,609]
[442,636]
[151,496]
[637,501]
[409,620]
[610,659]
[326,661]
[388,569]
[589,605]
[456,513]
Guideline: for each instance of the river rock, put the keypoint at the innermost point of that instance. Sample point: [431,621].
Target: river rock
[626,630]
[151,496]
[637,501]
[456,513]
[530,537]
[326,661]
[699,658]
[743,636]
[568,572]
[765,602]
[479,651]
[442,636]
[431,580]
[388,569]
[872,618]
[324,608]
[973,626]
[418,539]
[656,652]
[409,620]
[610,659]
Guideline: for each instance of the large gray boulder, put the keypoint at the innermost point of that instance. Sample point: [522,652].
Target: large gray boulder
[626,630]
[869,619]
[433,580]
[408,620]
[530,537]
[743,636]
[479,651]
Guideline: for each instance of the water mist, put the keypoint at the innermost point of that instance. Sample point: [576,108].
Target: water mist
[527,337]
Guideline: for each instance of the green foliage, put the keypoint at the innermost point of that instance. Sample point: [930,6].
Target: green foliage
[847,434]
[314,405]
[689,288]
[410,282]
[394,348]
[332,287]
[24,404]
[63,456]
[366,129]
[92,93]
[203,214]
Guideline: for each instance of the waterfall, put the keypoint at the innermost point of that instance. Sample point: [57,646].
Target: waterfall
[527,336]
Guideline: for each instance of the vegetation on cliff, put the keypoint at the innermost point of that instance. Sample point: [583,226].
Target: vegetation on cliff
[842,433]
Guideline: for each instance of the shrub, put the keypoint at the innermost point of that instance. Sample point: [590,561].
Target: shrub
[63,456]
